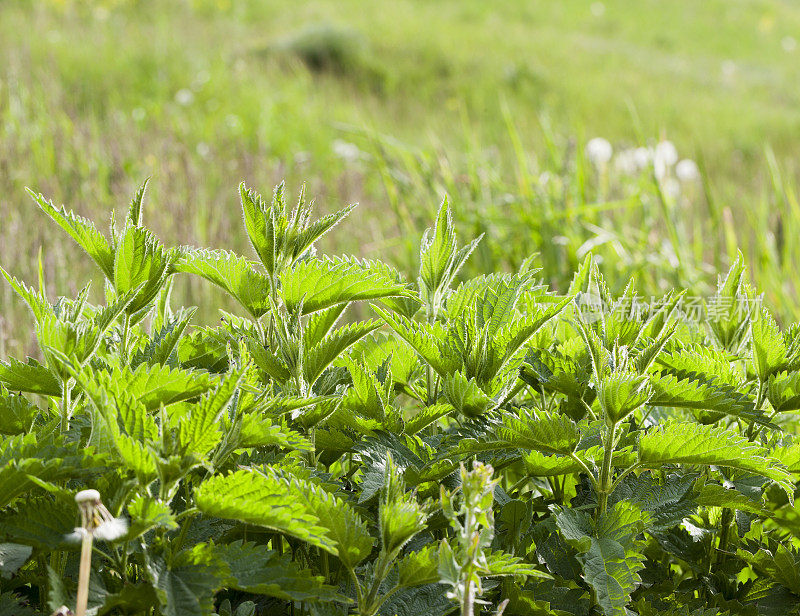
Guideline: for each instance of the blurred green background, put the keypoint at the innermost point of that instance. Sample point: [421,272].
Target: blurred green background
[393,104]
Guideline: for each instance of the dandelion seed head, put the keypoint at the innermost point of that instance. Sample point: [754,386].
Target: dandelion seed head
[672,188]
[184,97]
[599,151]
[789,44]
[111,529]
[345,150]
[626,163]
[88,496]
[728,68]
[666,152]
[642,156]
[687,171]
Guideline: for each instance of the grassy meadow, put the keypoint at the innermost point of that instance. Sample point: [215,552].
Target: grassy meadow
[393,105]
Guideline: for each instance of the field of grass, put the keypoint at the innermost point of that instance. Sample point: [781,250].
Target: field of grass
[549,365]
[392,106]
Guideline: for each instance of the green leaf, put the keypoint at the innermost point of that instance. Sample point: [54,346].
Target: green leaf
[322,354]
[690,443]
[696,391]
[186,584]
[545,432]
[255,569]
[610,552]
[351,540]
[501,564]
[424,339]
[279,239]
[783,391]
[437,251]
[233,274]
[769,348]
[199,433]
[322,283]
[420,567]
[778,562]
[268,501]
[36,301]
[12,557]
[42,523]
[10,605]
[147,513]
[82,231]
[31,377]
[141,261]
[621,393]
[540,465]
[134,216]
[16,413]
[153,386]
[259,431]
[160,348]
[465,395]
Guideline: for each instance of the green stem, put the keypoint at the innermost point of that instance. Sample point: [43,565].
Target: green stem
[126,326]
[605,472]
[66,391]
[370,605]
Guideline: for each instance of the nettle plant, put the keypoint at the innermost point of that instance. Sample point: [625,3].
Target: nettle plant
[477,445]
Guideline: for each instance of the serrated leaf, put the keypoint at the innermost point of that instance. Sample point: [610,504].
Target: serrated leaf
[322,354]
[544,432]
[16,413]
[694,391]
[31,377]
[689,443]
[267,501]
[769,348]
[420,567]
[465,395]
[255,569]
[12,557]
[186,585]
[424,339]
[234,274]
[322,283]
[82,231]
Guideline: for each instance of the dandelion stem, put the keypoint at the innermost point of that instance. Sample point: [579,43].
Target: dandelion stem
[85,572]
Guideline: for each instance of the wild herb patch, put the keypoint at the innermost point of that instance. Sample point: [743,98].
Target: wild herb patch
[469,445]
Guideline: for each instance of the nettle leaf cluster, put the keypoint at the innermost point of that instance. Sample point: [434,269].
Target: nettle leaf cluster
[478,445]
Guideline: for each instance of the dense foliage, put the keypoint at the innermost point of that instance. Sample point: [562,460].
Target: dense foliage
[481,442]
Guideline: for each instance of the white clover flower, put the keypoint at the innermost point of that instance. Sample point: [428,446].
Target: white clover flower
[687,171]
[599,151]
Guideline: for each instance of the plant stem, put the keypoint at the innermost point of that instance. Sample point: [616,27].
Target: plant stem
[126,326]
[85,572]
[605,473]
[65,403]
[469,599]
